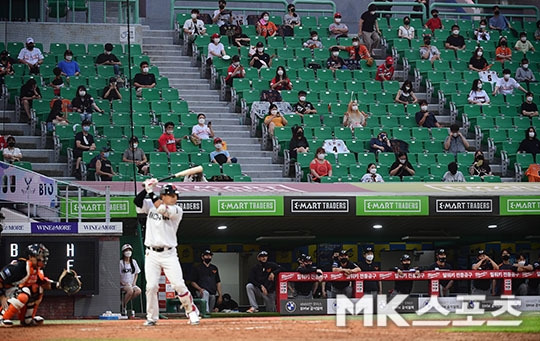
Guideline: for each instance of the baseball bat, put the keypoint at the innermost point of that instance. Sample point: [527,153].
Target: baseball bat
[185,172]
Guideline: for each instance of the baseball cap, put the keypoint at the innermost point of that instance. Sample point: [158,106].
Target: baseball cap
[337,15]
[263,254]
[405,257]
[343,253]
[215,35]
[207,252]
[307,259]
[259,44]
[126,246]
[217,139]
[112,80]
[368,249]
[441,251]
[29,40]
[481,252]
[389,60]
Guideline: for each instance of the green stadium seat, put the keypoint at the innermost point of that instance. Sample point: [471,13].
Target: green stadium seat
[170,94]
[199,158]
[211,169]
[347,159]
[158,158]
[232,169]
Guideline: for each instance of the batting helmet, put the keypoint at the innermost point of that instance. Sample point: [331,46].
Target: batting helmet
[169,189]
[39,251]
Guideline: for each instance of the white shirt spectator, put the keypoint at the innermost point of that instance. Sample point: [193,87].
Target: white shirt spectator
[481,36]
[224,19]
[433,51]
[406,33]
[126,276]
[217,49]
[479,96]
[31,57]
[506,87]
[15,152]
[202,132]
[369,178]
[194,28]
[458,177]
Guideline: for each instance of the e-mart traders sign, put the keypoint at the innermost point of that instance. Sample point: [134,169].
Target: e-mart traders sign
[119,207]
[392,206]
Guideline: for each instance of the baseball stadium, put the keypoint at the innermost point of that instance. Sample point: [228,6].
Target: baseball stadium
[277,169]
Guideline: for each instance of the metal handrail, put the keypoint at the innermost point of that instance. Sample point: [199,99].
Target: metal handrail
[438,5]
[332,4]
[402,4]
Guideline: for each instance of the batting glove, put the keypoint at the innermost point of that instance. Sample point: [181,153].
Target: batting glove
[162,209]
[149,185]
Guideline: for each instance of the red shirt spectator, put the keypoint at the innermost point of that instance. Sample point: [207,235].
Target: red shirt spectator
[169,141]
[434,24]
[362,53]
[385,71]
[235,66]
[323,169]
[2,142]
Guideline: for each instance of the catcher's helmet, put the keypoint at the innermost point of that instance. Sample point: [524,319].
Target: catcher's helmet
[39,251]
[169,189]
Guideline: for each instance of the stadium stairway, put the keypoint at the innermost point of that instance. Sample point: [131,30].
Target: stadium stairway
[158,45]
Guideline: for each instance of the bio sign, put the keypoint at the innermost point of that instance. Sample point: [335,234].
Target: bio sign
[392,206]
[246,206]
[520,205]
[119,207]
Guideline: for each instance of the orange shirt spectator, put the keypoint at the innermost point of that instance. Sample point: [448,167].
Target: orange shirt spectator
[358,52]
[503,54]
[265,27]
[319,166]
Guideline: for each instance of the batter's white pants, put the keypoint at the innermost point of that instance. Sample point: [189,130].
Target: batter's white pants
[154,262]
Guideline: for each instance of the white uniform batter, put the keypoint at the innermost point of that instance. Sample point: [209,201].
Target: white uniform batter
[160,240]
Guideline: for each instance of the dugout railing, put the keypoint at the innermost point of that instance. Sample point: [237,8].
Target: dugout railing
[433,277]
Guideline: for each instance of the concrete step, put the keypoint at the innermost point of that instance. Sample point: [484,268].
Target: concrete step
[194,86]
[241,153]
[158,40]
[28,142]
[230,129]
[187,80]
[248,161]
[158,33]
[229,134]
[276,174]
[16,129]
[37,155]
[272,180]
[254,147]
[220,120]
[166,61]
[51,169]
[188,74]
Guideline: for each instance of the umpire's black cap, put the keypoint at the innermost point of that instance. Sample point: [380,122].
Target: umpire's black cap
[169,189]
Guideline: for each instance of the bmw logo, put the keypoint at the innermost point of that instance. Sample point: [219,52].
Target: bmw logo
[291,306]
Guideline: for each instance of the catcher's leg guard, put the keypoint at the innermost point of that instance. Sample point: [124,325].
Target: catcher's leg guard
[16,304]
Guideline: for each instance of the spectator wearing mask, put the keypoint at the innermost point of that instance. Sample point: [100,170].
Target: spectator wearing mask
[498,21]
[222,16]
[313,42]
[281,81]
[455,41]
[385,71]
[484,286]
[274,119]
[405,94]
[136,155]
[129,272]
[111,92]
[193,27]
[235,70]
[434,23]
[220,155]
[524,73]
[453,174]
[368,28]
[503,53]
[84,104]
[108,58]
[303,107]
[104,168]
[380,144]
[523,45]
[530,144]
[84,142]
[10,152]
[428,51]
[346,267]
[481,33]
[371,174]
[528,108]
[319,166]
[357,52]
[31,56]
[478,62]
[506,85]
[298,143]
[425,118]
[455,142]
[144,79]
[354,118]
[335,62]
[167,142]
[265,27]
[6,66]
[261,283]
[406,31]
[68,66]
[56,116]
[260,58]
[240,39]
[291,18]
[201,131]
[480,167]
[442,264]
[57,83]
[206,281]
[401,167]
[477,94]
[338,29]
[29,92]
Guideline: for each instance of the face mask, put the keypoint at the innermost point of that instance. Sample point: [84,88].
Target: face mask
[135,145]
[372,12]
[455,134]
[201,120]
[107,52]
[343,260]
[497,12]
[260,49]
[406,22]
[423,108]
[373,171]
[11,144]
[315,38]
[407,88]
[435,15]
[521,263]
[293,10]
[206,260]
[221,6]
[442,259]
[355,43]
[523,39]
[170,132]
[30,47]
[427,42]
[503,43]
[235,64]
[86,128]
[531,133]
[128,253]
[218,145]
[335,54]
[480,85]
[354,107]
[300,133]
[369,257]
[506,257]
[507,77]
[280,72]
[402,161]
[82,93]
[406,266]
[216,40]
[479,53]
[302,98]
[525,66]
[145,69]
[455,32]
[320,156]
[106,155]
[193,16]
[69,57]
[383,137]
[338,20]
[482,27]
[274,112]
[529,99]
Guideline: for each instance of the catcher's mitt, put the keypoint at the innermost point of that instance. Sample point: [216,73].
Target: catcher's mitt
[69,282]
